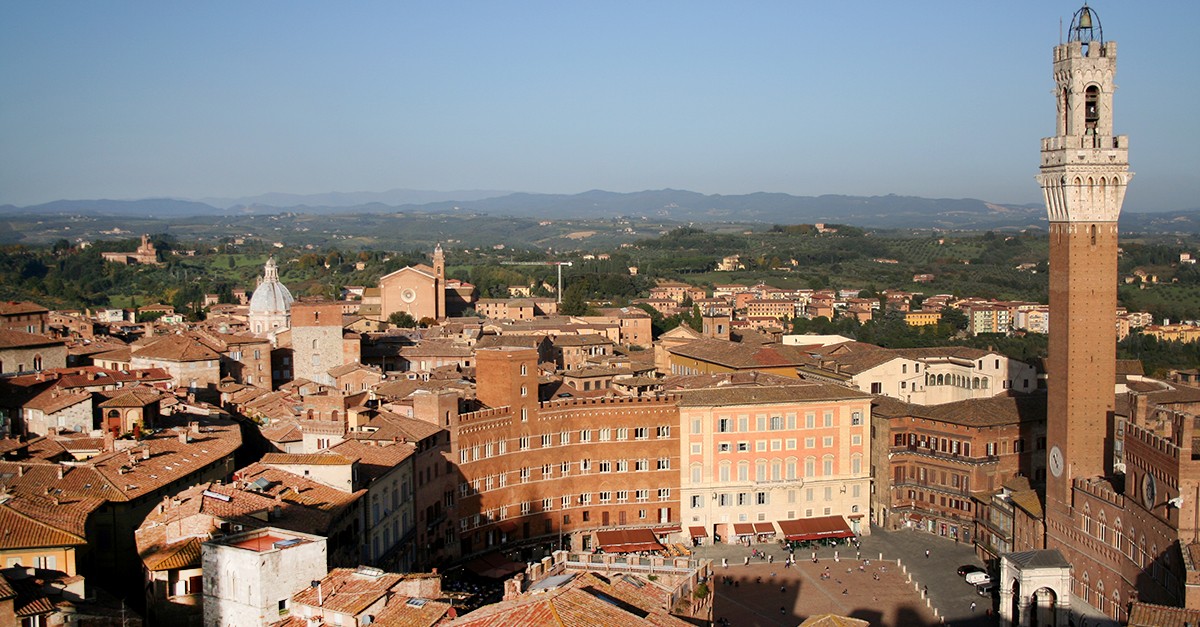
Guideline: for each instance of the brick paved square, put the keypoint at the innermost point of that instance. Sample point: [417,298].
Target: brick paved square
[751,596]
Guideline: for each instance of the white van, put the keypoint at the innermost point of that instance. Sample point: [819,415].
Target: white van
[977,578]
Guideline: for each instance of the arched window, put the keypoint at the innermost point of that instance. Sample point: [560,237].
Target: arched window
[37,362]
[1100,595]
[941,380]
[1091,108]
[112,413]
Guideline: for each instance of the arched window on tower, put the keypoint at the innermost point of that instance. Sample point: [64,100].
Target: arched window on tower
[1091,108]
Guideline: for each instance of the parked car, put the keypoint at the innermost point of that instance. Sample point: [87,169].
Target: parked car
[977,578]
[986,589]
[966,569]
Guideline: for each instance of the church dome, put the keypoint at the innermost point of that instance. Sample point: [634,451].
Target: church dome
[270,296]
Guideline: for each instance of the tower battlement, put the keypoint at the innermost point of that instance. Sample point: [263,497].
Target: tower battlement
[1081,50]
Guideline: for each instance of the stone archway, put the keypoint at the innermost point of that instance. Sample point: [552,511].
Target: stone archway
[1035,589]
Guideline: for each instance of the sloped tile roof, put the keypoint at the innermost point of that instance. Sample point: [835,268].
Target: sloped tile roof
[21,339]
[747,395]
[31,521]
[53,400]
[374,460]
[126,475]
[14,307]
[743,355]
[184,554]
[139,396]
[584,600]
[996,410]
[312,459]
[175,348]
[1148,615]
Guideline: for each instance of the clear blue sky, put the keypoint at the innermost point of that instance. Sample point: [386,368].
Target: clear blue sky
[234,98]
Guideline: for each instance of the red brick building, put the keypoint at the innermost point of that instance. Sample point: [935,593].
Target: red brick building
[552,473]
[937,466]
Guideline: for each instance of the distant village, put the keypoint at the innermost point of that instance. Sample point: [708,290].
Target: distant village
[303,462]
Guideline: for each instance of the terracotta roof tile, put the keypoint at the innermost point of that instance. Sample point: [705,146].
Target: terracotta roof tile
[30,521]
[53,400]
[175,348]
[746,395]
[14,307]
[19,339]
[312,459]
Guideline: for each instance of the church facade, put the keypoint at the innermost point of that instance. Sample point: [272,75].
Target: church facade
[423,291]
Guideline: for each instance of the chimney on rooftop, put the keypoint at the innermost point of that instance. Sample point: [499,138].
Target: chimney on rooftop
[61,472]
[110,441]
[184,438]
[194,426]
[146,453]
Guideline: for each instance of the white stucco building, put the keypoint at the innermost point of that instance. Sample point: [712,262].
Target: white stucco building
[249,578]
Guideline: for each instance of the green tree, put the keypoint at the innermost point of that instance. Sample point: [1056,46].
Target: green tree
[402,319]
[955,318]
[574,302]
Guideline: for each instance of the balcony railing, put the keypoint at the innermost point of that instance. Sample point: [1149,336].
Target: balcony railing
[932,452]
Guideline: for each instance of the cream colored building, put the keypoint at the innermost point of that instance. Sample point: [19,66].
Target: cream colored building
[769,454]
[925,376]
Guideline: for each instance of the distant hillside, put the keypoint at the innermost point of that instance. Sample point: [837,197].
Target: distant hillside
[149,207]
[881,212]
[391,198]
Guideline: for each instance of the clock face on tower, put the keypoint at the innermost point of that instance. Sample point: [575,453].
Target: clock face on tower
[1149,490]
[1056,461]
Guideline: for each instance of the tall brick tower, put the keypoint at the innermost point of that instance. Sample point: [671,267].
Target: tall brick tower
[1084,171]
[439,280]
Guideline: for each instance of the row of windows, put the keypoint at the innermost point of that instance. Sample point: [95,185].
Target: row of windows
[743,499]
[773,423]
[562,438]
[566,501]
[946,502]
[932,476]
[761,446]
[776,470]
[525,474]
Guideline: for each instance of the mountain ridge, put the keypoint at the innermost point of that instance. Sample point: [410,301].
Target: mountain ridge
[886,212]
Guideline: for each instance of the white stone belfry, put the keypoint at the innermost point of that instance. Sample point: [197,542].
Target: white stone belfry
[1085,168]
